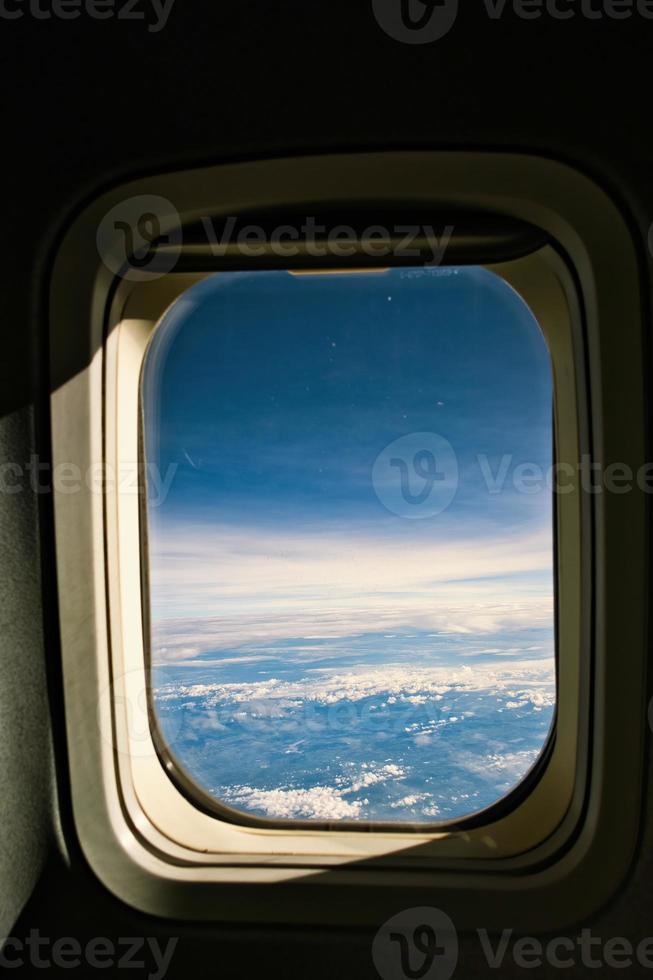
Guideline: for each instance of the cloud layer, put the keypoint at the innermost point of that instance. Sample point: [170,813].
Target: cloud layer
[221,589]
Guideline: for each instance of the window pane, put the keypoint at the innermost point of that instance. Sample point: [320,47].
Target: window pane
[350,540]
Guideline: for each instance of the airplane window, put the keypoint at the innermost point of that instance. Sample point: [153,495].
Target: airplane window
[350,542]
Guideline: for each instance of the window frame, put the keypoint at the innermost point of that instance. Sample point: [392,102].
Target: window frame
[121,808]
[542,275]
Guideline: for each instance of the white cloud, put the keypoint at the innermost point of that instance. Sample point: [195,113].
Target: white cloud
[219,588]
[370,776]
[410,800]
[538,699]
[318,803]
[533,680]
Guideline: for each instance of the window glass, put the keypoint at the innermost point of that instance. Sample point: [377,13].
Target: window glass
[350,541]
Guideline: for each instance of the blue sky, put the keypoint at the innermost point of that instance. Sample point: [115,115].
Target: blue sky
[274,394]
